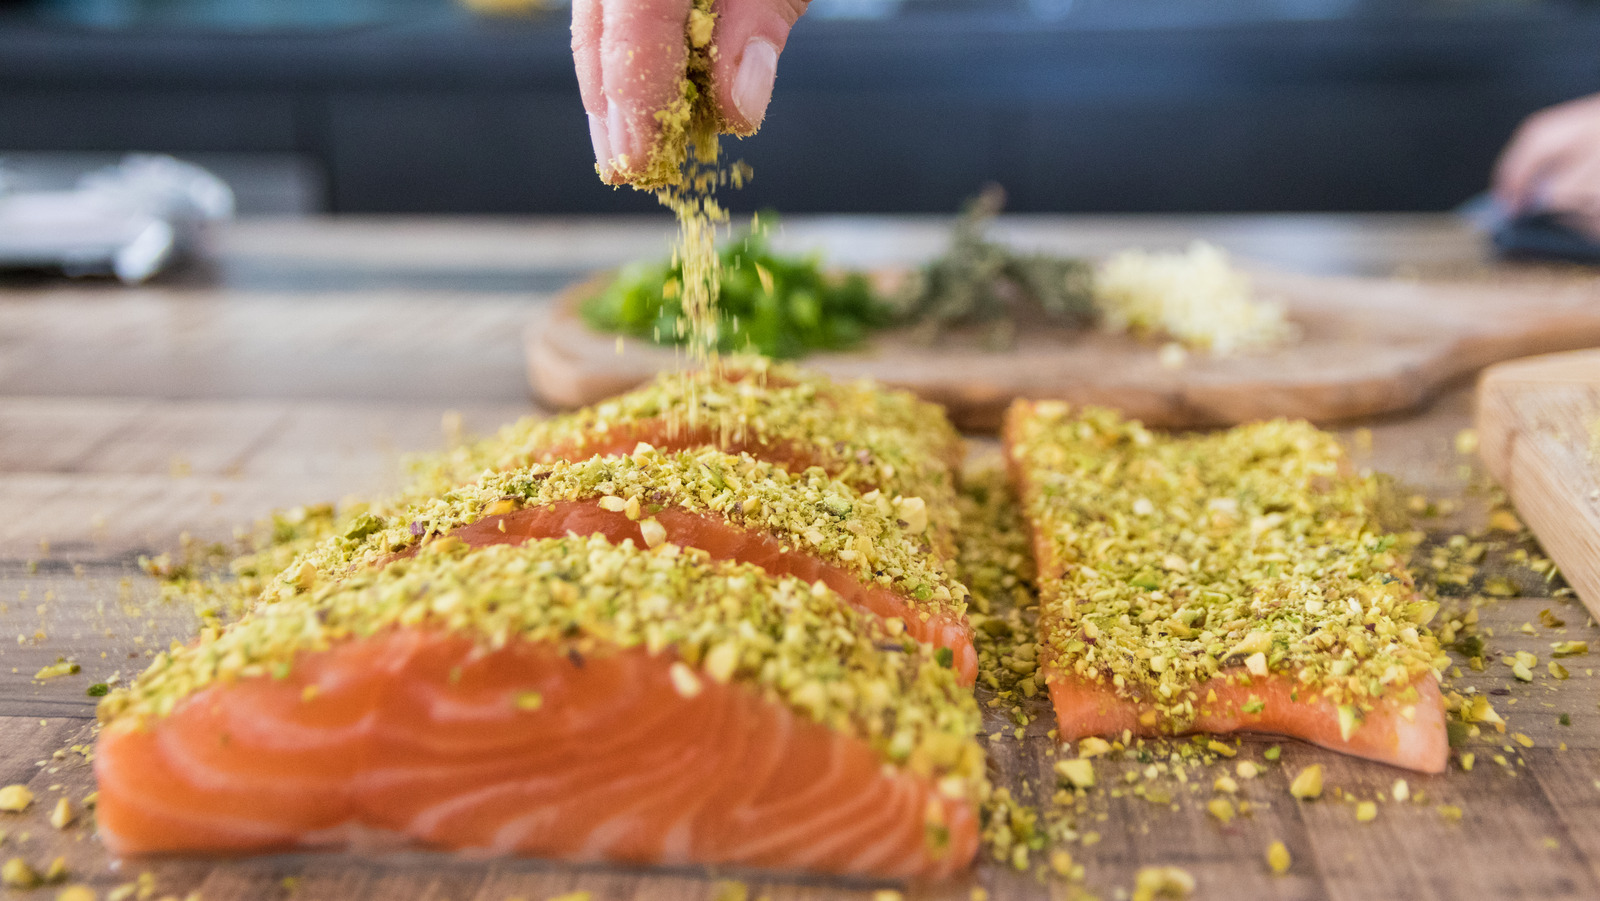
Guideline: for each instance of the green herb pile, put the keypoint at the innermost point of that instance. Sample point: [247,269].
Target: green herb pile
[978,282]
[780,307]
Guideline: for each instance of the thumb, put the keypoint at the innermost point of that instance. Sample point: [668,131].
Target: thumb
[749,36]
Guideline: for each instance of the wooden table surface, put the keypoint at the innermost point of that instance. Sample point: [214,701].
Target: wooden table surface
[304,356]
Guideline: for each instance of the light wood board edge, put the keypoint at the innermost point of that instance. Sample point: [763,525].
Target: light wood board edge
[1545,469]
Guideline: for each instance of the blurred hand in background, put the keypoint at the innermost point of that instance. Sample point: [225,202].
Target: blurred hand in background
[1553,164]
[631,54]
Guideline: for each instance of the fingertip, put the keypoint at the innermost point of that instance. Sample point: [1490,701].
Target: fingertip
[753,81]
[601,140]
[756,31]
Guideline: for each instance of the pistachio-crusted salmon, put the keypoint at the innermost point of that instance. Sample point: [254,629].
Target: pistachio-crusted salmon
[1235,581]
[564,698]
[872,549]
[858,432]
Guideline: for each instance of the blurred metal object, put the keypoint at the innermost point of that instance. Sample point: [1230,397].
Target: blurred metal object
[127,220]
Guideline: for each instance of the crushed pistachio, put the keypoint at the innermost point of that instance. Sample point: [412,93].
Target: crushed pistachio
[57,669]
[1151,883]
[15,798]
[1401,791]
[1079,772]
[76,893]
[860,433]
[1283,558]
[62,815]
[863,534]
[1222,809]
[17,873]
[796,643]
[1366,811]
[1450,812]
[1569,648]
[729,890]
[1308,785]
[1278,857]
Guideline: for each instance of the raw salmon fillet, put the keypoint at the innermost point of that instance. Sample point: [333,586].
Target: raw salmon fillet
[1220,583]
[871,549]
[567,699]
[723,541]
[866,436]
[858,432]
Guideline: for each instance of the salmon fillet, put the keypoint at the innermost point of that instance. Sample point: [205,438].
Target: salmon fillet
[1220,583]
[859,433]
[723,541]
[510,701]
[870,548]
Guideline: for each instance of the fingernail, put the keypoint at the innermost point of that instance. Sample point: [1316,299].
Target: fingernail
[752,85]
[602,146]
[621,139]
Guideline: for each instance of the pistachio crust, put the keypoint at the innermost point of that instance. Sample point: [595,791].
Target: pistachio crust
[797,644]
[880,540]
[1168,561]
[858,432]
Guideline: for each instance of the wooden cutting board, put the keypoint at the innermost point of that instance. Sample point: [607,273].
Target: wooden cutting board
[1368,346]
[1539,434]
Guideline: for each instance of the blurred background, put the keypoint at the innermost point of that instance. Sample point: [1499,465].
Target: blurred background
[434,106]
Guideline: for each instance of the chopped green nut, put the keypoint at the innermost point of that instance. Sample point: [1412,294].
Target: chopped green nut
[16,873]
[1079,772]
[1308,785]
[15,798]
[1278,857]
[1172,883]
[59,668]
[1366,812]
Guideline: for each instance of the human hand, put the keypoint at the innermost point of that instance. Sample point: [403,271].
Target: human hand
[1553,164]
[631,56]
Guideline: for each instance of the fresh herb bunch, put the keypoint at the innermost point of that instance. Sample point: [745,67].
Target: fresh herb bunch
[978,282]
[780,307]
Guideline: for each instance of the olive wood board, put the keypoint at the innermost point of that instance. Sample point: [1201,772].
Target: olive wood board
[1367,346]
[1538,423]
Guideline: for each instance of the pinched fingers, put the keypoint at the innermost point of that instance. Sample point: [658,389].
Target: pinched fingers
[630,57]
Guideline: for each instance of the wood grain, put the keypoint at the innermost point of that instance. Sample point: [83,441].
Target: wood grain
[94,414]
[1537,423]
[1368,347]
